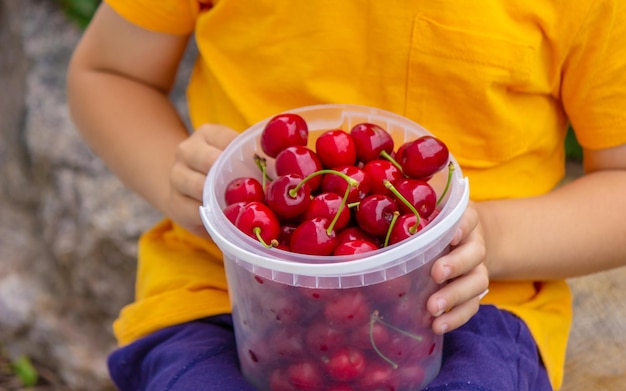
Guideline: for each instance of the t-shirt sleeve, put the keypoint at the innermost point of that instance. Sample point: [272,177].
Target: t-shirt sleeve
[594,76]
[164,16]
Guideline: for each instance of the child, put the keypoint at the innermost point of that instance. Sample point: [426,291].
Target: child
[499,82]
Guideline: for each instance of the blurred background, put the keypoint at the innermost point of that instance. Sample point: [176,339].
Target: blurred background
[68,227]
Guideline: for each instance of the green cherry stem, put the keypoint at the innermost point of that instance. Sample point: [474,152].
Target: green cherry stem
[272,243]
[373,319]
[445,190]
[394,219]
[391,187]
[393,161]
[351,183]
[261,163]
[380,320]
[344,201]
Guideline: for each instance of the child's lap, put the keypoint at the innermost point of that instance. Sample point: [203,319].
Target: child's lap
[492,352]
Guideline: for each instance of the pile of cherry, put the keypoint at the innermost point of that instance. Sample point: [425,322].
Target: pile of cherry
[354,193]
[372,338]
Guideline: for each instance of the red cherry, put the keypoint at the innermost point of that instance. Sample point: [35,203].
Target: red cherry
[232,211]
[282,131]
[327,205]
[335,148]
[345,364]
[354,232]
[306,376]
[245,189]
[378,170]
[348,309]
[287,197]
[355,247]
[299,160]
[371,141]
[313,237]
[363,336]
[259,222]
[336,184]
[405,226]
[378,377]
[418,193]
[374,214]
[423,157]
[322,338]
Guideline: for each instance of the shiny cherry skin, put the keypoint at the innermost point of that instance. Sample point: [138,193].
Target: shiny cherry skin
[405,227]
[257,216]
[312,237]
[371,141]
[232,211]
[300,160]
[243,189]
[282,131]
[335,148]
[335,184]
[327,205]
[285,205]
[424,157]
[419,193]
[378,170]
[354,232]
[374,214]
[357,246]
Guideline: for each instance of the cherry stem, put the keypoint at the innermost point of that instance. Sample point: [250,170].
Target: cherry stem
[344,200]
[396,329]
[351,181]
[257,232]
[373,319]
[393,161]
[261,163]
[445,190]
[394,219]
[391,187]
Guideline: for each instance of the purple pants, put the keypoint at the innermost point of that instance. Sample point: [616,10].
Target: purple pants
[494,351]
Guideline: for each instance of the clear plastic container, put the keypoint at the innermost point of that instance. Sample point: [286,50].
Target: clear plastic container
[310,322]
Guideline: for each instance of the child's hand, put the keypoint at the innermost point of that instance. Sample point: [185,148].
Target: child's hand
[194,158]
[457,301]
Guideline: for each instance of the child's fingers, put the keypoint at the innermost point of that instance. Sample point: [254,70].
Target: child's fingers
[456,317]
[455,303]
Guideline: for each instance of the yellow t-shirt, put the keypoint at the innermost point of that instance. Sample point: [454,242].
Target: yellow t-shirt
[498,81]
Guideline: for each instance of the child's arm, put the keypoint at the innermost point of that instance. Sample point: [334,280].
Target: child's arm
[578,229]
[118,84]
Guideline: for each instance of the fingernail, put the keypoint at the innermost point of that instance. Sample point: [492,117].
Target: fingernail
[446,271]
[443,328]
[442,305]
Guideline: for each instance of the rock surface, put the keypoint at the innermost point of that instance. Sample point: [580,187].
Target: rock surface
[68,228]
